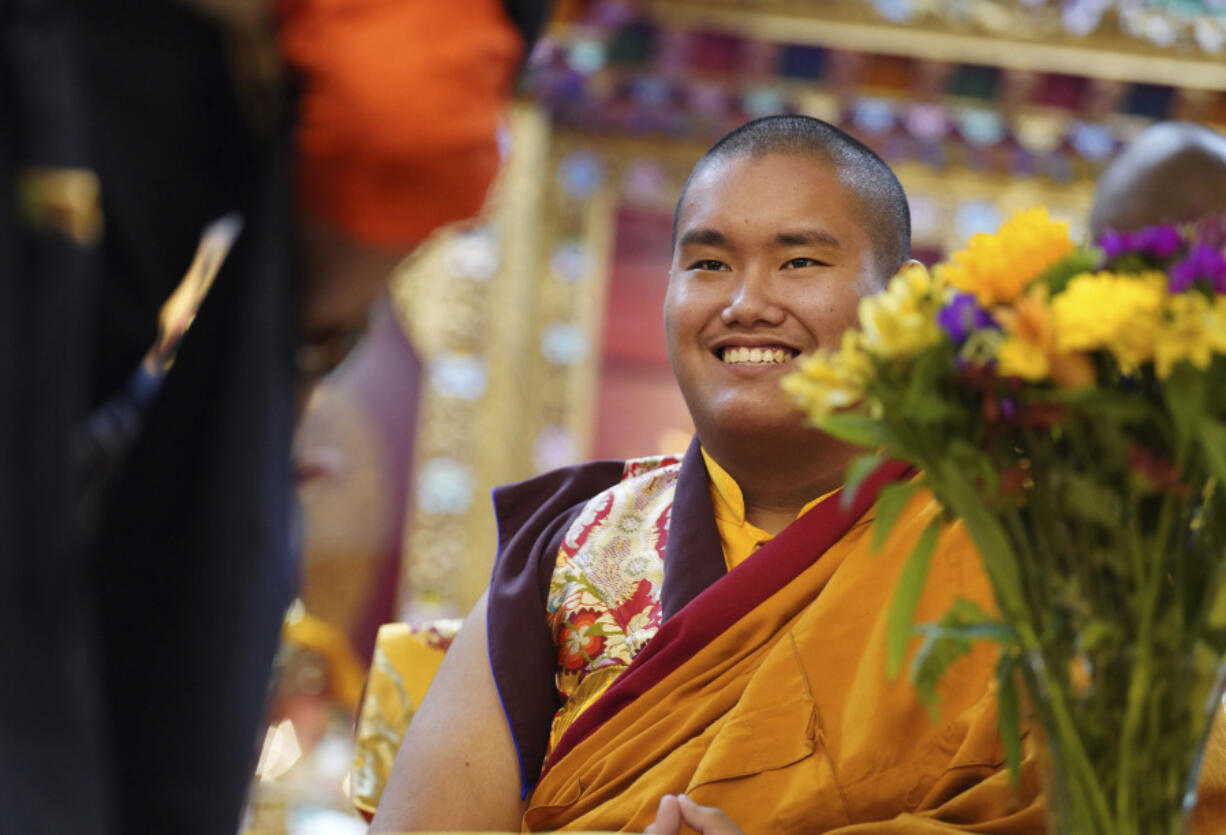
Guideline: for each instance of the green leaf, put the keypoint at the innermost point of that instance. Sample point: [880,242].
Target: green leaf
[1216,395]
[966,621]
[1213,442]
[926,406]
[936,655]
[1058,275]
[944,643]
[1009,720]
[1092,500]
[861,467]
[906,598]
[890,503]
[1215,617]
[1108,404]
[1185,396]
[924,401]
[1216,640]
[856,429]
[949,483]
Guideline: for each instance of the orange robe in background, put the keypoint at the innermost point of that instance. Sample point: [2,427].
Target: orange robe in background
[400,107]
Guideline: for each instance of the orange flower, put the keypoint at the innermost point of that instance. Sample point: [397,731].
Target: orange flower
[579,640]
[1030,349]
[996,268]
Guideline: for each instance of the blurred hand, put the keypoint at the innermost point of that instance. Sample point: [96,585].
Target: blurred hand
[676,809]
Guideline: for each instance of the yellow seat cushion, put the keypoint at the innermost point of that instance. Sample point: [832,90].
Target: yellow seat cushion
[405,661]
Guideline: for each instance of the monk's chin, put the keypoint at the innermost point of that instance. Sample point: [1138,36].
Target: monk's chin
[759,430]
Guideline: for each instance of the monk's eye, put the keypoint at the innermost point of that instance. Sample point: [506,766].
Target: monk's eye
[802,263]
[708,265]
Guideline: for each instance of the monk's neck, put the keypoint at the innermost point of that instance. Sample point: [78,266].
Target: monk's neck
[775,491]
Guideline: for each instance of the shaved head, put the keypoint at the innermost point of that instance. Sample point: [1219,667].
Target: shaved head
[876,190]
[1172,173]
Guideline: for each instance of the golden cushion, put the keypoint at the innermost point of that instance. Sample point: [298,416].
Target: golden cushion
[405,661]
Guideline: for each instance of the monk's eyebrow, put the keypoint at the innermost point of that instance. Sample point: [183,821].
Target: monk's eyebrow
[703,237]
[801,237]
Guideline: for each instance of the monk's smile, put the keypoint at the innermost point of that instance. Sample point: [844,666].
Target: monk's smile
[742,354]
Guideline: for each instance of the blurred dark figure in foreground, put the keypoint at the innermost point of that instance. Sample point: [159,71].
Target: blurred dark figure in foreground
[142,586]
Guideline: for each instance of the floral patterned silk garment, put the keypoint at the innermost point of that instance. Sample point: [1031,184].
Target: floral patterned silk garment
[604,597]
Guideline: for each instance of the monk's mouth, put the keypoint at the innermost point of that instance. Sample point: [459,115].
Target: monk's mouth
[765,355]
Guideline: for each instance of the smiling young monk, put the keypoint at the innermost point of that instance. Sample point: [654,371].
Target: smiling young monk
[714,624]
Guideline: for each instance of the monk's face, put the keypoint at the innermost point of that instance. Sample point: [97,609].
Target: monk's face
[770,262]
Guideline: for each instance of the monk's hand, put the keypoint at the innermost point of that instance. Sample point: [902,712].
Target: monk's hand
[675,809]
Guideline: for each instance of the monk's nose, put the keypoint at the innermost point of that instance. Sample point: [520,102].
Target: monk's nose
[753,301]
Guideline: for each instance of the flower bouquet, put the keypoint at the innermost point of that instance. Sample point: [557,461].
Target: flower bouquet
[1068,405]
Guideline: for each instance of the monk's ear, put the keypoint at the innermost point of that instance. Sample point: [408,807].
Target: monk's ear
[884,280]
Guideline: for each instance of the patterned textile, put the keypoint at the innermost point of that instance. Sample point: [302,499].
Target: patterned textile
[405,661]
[604,596]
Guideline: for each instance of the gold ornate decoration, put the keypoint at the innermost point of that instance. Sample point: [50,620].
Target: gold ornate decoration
[468,300]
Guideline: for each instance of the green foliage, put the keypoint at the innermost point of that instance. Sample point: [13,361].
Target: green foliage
[1215,405]
[1129,408]
[907,596]
[1213,444]
[1185,395]
[890,504]
[945,642]
[1009,720]
[1063,271]
[1091,500]
[857,429]
[861,467]
[925,402]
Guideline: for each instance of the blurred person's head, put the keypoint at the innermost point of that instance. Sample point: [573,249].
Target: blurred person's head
[780,230]
[1172,172]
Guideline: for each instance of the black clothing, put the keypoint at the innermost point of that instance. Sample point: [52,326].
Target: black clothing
[139,654]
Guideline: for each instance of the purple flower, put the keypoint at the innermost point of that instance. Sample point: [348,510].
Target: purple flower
[1159,241]
[962,316]
[1156,241]
[1203,262]
[1115,244]
[1211,230]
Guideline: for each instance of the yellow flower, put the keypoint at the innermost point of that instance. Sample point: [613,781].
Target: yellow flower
[1018,357]
[1030,351]
[900,321]
[1119,313]
[996,268]
[1192,330]
[828,381]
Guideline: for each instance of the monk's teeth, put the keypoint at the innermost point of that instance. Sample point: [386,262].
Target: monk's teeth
[756,356]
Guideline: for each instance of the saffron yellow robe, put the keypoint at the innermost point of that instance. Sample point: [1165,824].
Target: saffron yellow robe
[762,689]
[788,722]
